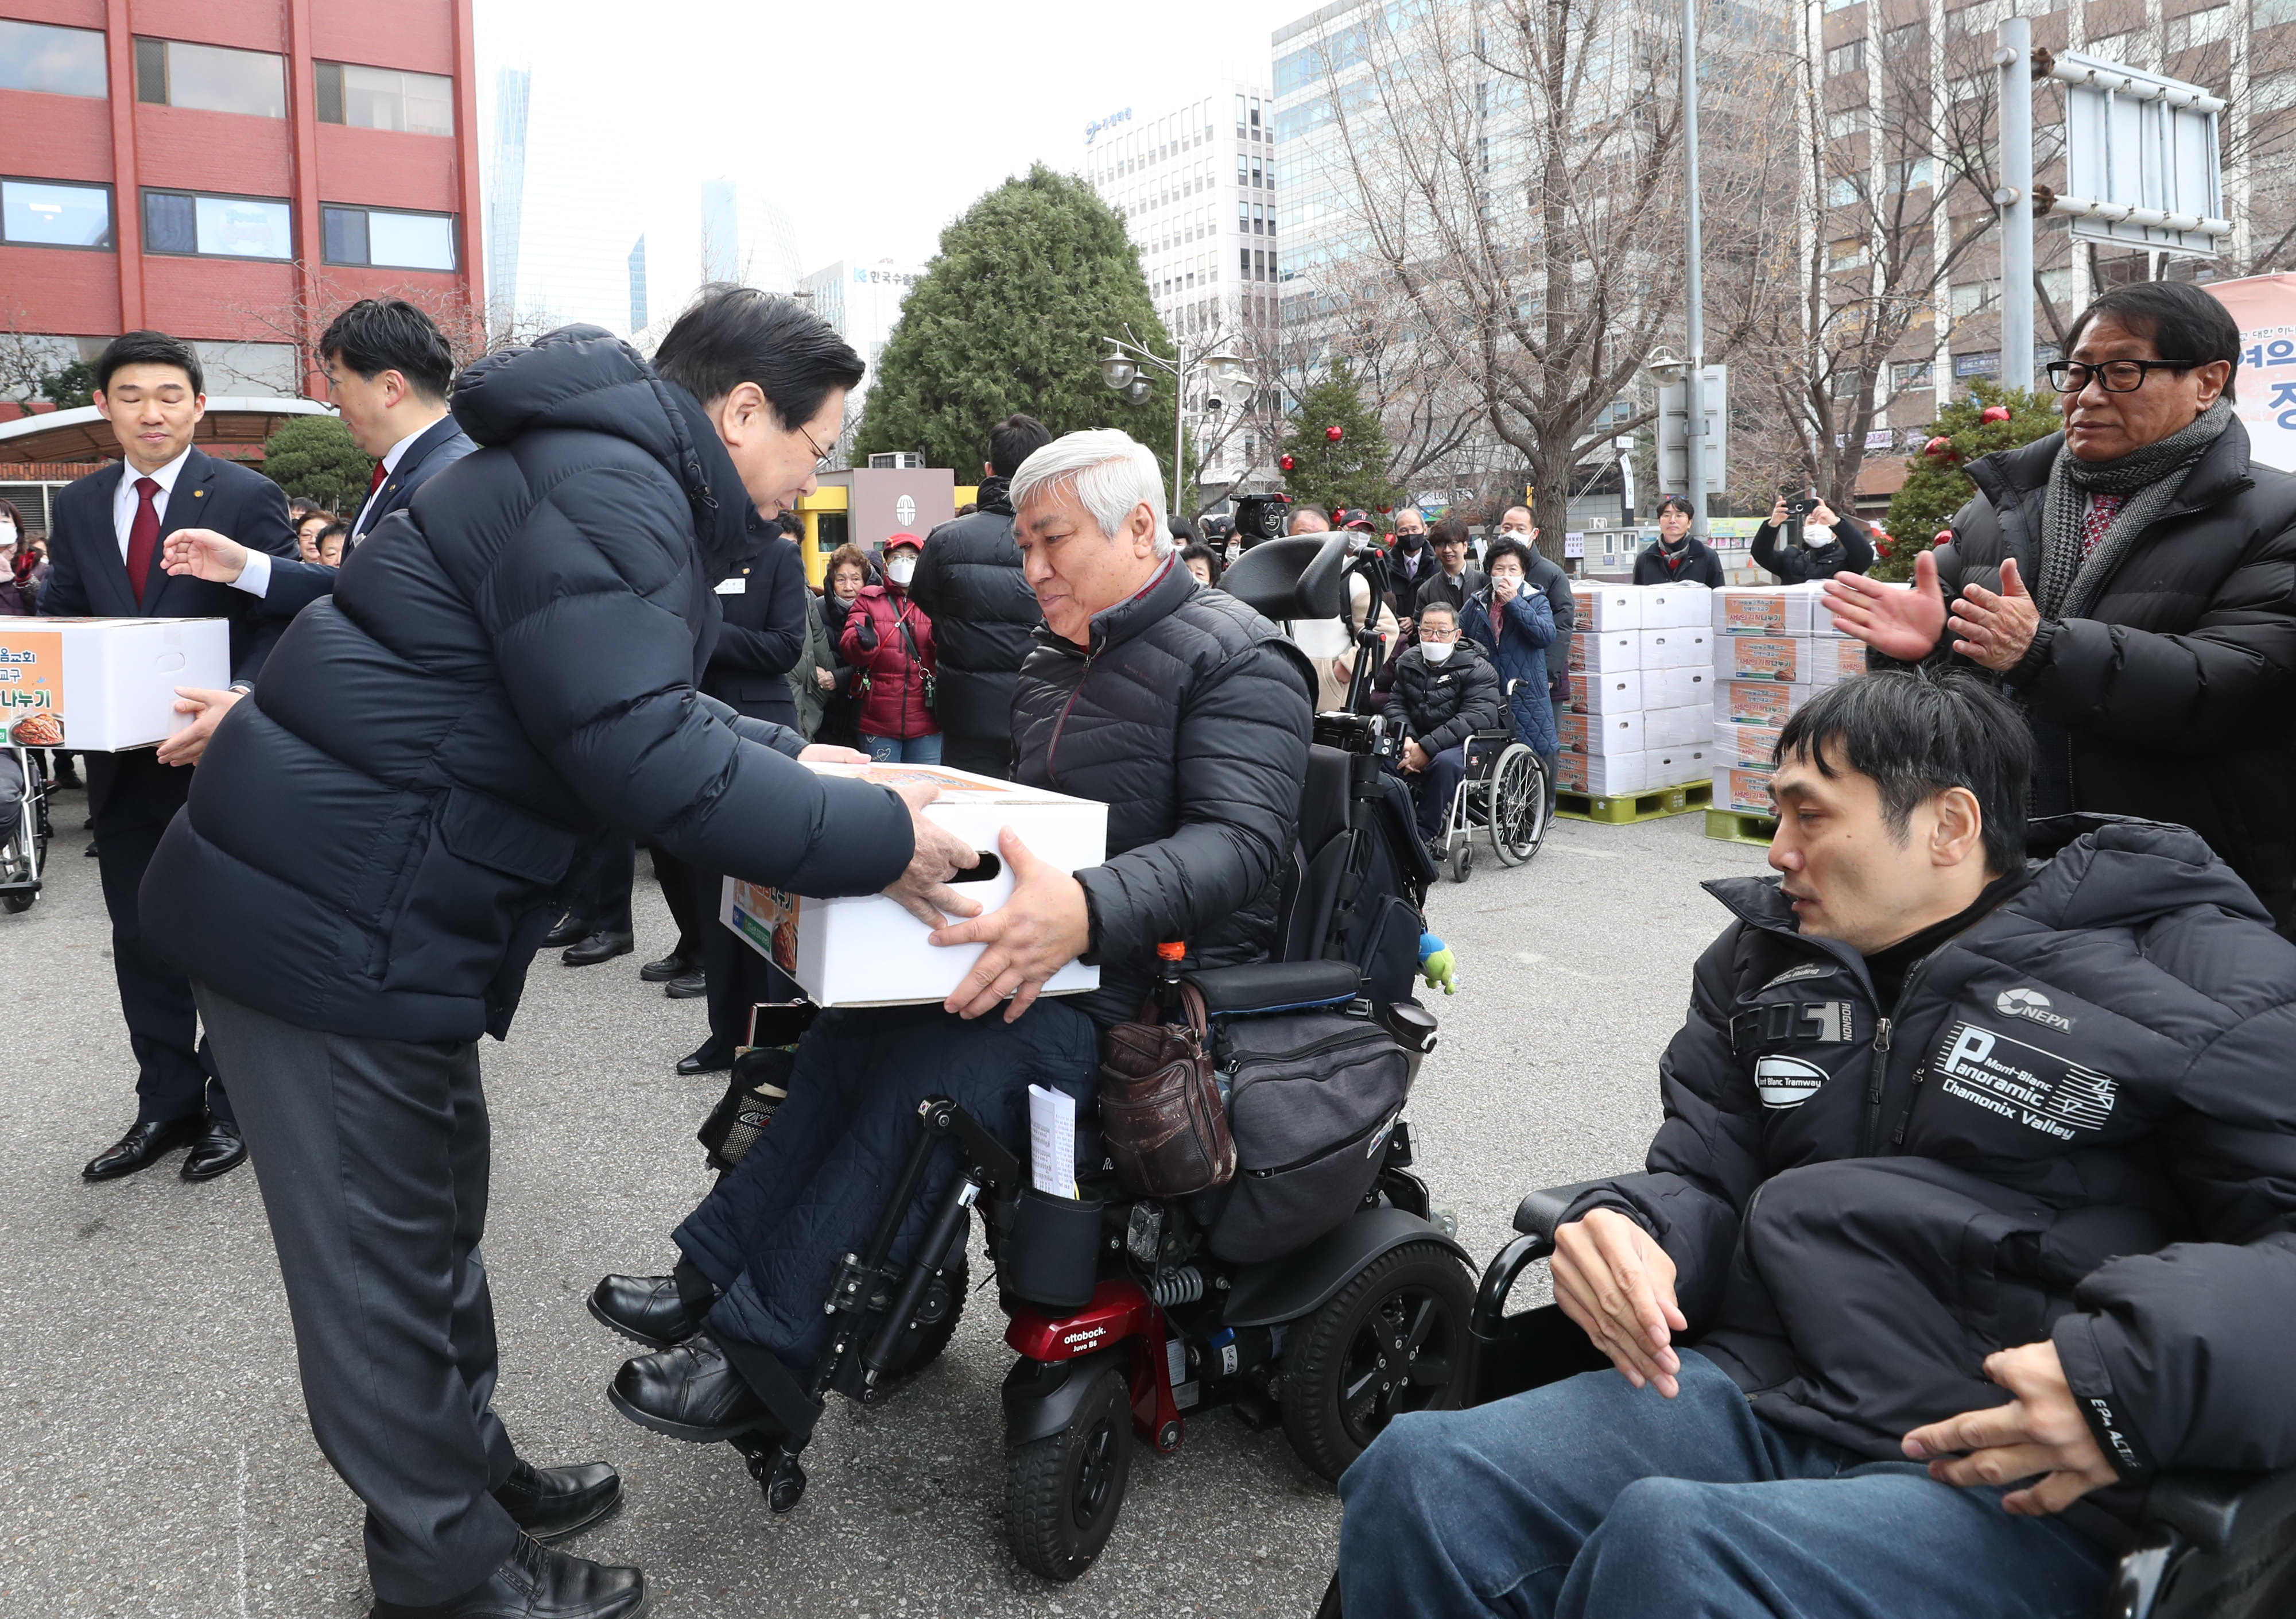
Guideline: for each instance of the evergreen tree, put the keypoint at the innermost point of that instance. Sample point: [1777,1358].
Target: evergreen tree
[1013,314]
[1350,472]
[1936,487]
[70,387]
[314,457]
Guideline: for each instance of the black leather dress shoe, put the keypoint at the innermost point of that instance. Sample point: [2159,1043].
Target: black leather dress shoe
[536,1583]
[554,1504]
[672,966]
[688,986]
[692,1391]
[220,1150]
[571,929]
[150,1139]
[705,1060]
[655,1310]
[599,947]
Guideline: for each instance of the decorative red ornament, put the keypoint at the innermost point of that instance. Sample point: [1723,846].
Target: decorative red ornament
[1943,537]
[1383,511]
[1332,432]
[1941,448]
[1287,464]
[1994,412]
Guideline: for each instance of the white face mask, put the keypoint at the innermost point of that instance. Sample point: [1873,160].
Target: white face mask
[1817,536]
[901,570]
[1438,652]
[7,534]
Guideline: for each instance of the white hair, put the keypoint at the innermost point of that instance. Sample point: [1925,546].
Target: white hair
[1107,471]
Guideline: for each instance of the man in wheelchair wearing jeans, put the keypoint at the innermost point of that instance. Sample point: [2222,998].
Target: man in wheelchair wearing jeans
[1445,691]
[1974,1206]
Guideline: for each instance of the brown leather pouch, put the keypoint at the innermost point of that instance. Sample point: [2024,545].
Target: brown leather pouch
[1159,1107]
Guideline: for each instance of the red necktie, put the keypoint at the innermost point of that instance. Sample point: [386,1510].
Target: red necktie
[142,535]
[375,482]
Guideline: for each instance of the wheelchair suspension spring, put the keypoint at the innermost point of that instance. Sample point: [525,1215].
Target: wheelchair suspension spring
[1184,1286]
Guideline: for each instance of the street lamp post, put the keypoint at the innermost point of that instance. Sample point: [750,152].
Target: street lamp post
[1120,371]
[1693,420]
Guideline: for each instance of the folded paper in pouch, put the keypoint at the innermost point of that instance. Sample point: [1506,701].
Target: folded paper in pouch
[1052,1141]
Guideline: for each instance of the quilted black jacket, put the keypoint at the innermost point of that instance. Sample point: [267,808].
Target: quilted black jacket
[1438,705]
[1188,716]
[969,581]
[506,669]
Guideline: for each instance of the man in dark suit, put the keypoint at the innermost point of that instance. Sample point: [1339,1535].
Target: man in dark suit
[1453,579]
[106,540]
[759,642]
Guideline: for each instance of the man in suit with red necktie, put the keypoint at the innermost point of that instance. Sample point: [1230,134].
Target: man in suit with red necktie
[106,544]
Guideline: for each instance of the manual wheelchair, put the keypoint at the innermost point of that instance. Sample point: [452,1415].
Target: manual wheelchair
[2209,1545]
[1502,795]
[1127,1313]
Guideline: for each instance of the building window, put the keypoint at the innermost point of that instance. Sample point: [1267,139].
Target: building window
[1966,299]
[384,98]
[209,78]
[1257,228]
[217,227]
[2200,28]
[1243,169]
[41,213]
[1841,191]
[58,61]
[1847,58]
[1255,115]
[1845,254]
[1912,175]
[389,240]
[1904,44]
[1255,169]
[1848,121]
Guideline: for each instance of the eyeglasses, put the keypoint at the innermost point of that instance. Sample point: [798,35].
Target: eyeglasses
[1431,633]
[820,456]
[2115,376]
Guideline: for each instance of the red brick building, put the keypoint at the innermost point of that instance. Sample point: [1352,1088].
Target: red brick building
[232,171]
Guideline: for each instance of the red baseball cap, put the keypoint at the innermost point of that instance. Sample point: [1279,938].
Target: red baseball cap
[898,540]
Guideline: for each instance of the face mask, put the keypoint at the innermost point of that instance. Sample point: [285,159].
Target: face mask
[7,534]
[901,570]
[1817,536]
[1412,544]
[1438,652]
[1235,550]
[1521,534]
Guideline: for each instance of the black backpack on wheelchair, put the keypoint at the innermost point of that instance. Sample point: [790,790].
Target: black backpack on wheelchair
[1127,1314]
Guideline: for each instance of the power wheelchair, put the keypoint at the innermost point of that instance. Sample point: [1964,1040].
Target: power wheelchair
[2210,1545]
[1124,1321]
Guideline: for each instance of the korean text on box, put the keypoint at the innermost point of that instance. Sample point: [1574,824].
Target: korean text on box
[865,950]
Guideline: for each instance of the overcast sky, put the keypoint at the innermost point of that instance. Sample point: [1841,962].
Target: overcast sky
[886,118]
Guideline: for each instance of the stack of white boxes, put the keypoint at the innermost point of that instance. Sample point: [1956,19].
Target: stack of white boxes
[1773,645]
[1642,714]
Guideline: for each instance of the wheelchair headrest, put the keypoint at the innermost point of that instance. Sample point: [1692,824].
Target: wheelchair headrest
[1299,577]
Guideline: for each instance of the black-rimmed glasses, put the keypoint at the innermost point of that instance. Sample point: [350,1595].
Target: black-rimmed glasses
[2114,376]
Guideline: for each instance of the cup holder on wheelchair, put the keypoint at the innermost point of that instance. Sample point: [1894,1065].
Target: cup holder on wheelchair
[1051,1257]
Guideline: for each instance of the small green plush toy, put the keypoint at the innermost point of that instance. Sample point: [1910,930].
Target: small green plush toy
[1437,965]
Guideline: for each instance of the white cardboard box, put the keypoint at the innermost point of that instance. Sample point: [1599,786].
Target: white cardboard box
[1746,747]
[1757,702]
[1616,775]
[1614,733]
[1747,791]
[865,950]
[1667,688]
[1835,659]
[1604,607]
[1792,659]
[105,684]
[1605,651]
[1678,607]
[1682,647]
[1773,610]
[1678,767]
[1608,693]
[1677,727]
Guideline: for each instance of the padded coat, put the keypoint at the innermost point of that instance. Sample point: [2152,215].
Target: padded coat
[1851,551]
[1188,716]
[2175,698]
[1519,654]
[1697,566]
[506,670]
[1438,706]
[895,664]
[969,581]
[2076,1124]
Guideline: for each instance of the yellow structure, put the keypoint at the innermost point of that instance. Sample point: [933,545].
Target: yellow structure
[831,519]
[823,513]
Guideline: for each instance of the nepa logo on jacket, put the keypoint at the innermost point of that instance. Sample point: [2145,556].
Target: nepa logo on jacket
[2038,1089]
[2030,1004]
[1787,1081]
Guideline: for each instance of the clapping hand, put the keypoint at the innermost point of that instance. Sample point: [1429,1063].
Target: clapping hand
[1995,629]
[1901,624]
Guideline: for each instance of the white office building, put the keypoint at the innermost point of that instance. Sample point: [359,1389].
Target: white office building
[861,298]
[1195,184]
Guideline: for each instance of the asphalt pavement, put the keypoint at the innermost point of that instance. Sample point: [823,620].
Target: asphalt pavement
[154,1460]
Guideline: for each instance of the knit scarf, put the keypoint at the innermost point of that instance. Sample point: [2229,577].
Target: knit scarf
[2150,477]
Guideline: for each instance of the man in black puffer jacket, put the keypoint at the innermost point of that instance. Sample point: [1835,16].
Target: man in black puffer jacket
[2132,583]
[507,671]
[1445,691]
[1187,714]
[1975,1169]
[969,583]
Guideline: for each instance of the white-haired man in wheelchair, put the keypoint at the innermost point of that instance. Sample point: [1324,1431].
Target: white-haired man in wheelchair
[1188,715]
[1975,1205]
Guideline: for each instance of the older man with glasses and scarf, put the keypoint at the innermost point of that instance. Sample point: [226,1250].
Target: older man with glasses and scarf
[2131,583]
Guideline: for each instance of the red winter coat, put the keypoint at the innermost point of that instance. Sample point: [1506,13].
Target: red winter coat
[874,643]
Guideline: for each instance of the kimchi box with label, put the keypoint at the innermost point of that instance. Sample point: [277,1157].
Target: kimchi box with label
[103,684]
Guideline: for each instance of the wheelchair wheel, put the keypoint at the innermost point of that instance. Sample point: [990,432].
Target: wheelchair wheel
[17,904]
[938,1314]
[1393,1340]
[1518,805]
[1463,859]
[1062,1493]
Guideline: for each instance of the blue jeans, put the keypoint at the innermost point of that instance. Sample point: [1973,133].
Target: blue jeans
[1591,1498]
[894,751]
